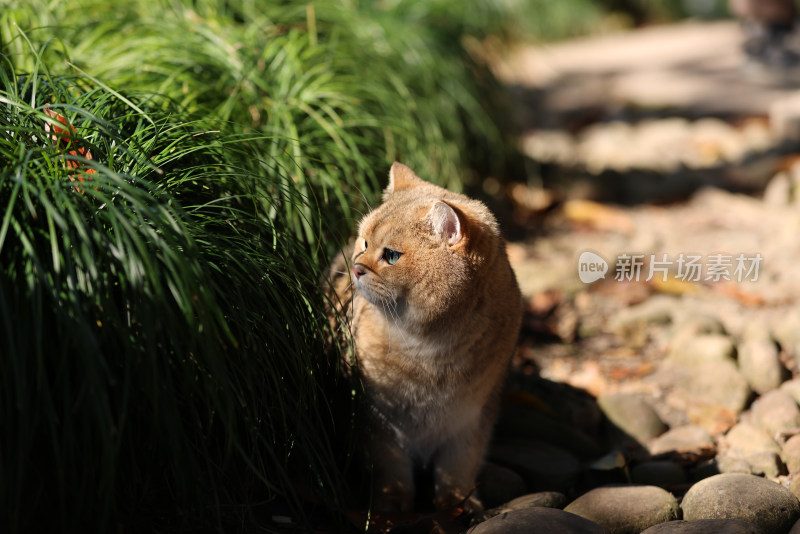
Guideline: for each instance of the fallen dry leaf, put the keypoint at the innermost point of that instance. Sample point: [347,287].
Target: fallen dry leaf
[674,286]
[597,216]
[715,419]
[688,457]
[732,290]
[627,292]
[620,373]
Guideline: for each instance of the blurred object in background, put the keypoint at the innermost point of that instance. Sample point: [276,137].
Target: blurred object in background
[768,11]
[768,27]
[702,8]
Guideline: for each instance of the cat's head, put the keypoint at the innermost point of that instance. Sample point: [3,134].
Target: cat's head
[418,253]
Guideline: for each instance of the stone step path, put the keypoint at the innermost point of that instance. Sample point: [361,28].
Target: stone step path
[652,114]
[695,68]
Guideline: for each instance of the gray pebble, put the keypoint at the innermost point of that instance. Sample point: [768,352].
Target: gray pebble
[757,329]
[792,387]
[655,310]
[705,526]
[632,414]
[778,192]
[626,509]
[791,454]
[546,499]
[688,326]
[770,506]
[748,437]
[794,486]
[761,463]
[760,364]
[682,439]
[733,464]
[785,330]
[776,411]
[537,520]
[719,383]
[702,348]
[498,485]
[693,324]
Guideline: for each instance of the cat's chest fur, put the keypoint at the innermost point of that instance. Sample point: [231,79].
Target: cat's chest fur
[424,387]
[417,365]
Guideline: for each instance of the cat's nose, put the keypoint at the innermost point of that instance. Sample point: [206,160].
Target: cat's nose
[358,271]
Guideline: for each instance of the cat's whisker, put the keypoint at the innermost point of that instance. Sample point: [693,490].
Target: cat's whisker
[364,199]
[353,298]
[388,314]
[395,315]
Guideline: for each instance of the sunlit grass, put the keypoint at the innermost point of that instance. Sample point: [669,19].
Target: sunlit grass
[341,89]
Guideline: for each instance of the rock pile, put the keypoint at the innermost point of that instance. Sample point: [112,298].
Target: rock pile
[725,503]
[668,408]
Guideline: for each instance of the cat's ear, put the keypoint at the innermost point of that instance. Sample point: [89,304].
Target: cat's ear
[445,223]
[401,177]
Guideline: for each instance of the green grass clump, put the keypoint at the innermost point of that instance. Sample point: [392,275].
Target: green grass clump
[161,334]
[162,322]
[340,88]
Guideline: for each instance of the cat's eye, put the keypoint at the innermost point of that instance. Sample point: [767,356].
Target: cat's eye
[391,256]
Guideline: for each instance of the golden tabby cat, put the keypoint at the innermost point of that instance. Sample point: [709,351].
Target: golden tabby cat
[434,309]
